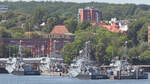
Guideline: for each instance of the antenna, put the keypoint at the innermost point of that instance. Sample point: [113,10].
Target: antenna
[125,50]
[20,49]
[87,50]
[54,47]
[29,30]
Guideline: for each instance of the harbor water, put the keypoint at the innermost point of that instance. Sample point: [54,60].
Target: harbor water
[13,79]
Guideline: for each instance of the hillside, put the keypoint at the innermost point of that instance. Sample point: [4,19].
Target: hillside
[70,9]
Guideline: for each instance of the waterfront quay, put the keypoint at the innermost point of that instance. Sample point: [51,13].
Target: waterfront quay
[146,68]
[64,72]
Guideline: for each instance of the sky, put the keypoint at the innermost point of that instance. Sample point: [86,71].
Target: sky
[107,1]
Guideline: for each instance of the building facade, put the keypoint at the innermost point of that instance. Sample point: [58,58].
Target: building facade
[3,8]
[89,14]
[120,26]
[44,46]
[60,37]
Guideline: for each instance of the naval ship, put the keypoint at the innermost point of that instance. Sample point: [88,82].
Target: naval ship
[84,68]
[122,69]
[17,65]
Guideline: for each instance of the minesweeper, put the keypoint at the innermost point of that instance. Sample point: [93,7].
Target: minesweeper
[85,68]
[122,69]
[17,65]
[52,66]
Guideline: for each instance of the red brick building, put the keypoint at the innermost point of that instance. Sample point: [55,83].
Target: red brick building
[38,47]
[59,37]
[44,46]
[89,14]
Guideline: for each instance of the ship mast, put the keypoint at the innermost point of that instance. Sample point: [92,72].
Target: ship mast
[125,55]
[87,50]
[20,50]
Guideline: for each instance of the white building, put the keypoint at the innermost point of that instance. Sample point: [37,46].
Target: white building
[3,8]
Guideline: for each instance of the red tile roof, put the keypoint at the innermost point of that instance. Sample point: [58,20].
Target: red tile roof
[60,29]
[112,28]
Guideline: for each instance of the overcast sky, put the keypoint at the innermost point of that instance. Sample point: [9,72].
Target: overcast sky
[109,1]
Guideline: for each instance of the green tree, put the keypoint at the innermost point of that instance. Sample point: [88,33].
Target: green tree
[3,50]
[18,35]
[37,16]
[4,33]
[145,57]
[134,27]
[83,25]
[71,24]
[27,52]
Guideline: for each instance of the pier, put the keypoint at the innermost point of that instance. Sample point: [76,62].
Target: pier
[146,68]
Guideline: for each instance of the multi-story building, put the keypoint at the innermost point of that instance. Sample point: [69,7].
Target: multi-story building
[38,47]
[44,46]
[59,37]
[89,14]
[3,8]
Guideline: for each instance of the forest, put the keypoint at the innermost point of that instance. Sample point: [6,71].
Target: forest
[33,14]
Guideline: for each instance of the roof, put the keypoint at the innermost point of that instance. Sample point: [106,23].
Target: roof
[60,30]
[112,28]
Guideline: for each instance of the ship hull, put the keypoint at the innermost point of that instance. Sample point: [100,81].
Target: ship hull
[93,77]
[3,70]
[132,77]
[26,73]
[32,73]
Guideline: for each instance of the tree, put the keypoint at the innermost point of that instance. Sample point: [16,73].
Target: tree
[37,16]
[33,35]
[16,29]
[136,52]
[18,35]
[134,27]
[68,54]
[3,50]
[71,24]
[142,34]
[27,52]
[102,45]
[145,57]
[4,33]
[83,25]
[99,52]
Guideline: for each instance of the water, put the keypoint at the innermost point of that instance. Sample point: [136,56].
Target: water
[12,79]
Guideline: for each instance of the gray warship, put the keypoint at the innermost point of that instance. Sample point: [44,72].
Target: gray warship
[17,65]
[85,68]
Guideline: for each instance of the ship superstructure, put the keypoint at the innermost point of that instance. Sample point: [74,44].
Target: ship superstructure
[17,65]
[84,68]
